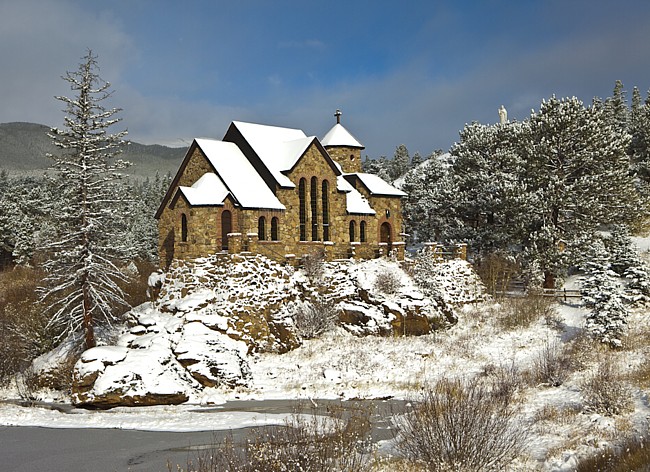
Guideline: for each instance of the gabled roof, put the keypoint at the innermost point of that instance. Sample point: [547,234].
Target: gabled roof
[208,190]
[279,149]
[355,203]
[375,184]
[339,136]
[239,175]
[233,173]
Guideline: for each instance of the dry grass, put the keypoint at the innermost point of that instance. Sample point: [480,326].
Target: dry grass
[604,391]
[23,326]
[336,442]
[462,425]
[630,454]
[517,313]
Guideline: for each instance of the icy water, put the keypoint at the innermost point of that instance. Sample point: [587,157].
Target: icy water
[32,449]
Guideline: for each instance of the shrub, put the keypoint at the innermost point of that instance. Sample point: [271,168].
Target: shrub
[23,326]
[388,282]
[461,425]
[552,365]
[522,312]
[497,270]
[315,318]
[631,454]
[605,392]
[338,441]
[312,265]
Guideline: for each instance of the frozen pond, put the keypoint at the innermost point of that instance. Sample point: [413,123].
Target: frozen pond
[93,449]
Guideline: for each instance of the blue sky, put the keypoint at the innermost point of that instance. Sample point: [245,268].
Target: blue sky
[411,72]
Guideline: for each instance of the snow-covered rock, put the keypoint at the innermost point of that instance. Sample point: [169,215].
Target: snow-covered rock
[209,315]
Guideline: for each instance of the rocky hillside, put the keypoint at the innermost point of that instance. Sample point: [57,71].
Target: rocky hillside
[210,316]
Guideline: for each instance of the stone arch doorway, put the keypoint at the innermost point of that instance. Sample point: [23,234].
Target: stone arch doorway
[226,228]
[385,235]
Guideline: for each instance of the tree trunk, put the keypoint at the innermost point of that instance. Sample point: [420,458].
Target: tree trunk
[89,332]
[549,280]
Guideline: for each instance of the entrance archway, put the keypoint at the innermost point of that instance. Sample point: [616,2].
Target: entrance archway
[386,235]
[226,228]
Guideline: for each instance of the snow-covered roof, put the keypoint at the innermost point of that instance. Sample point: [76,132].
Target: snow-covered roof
[339,136]
[355,202]
[279,148]
[208,190]
[378,186]
[235,174]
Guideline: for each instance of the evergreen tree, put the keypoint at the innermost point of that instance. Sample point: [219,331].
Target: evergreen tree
[400,163]
[428,206]
[603,296]
[416,160]
[577,165]
[81,286]
[615,108]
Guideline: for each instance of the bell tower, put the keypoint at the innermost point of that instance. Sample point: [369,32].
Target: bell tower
[343,147]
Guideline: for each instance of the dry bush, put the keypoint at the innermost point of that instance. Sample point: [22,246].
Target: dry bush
[605,392]
[523,311]
[631,454]
[315,318]
[24,334]
[387,282]
[461,425]
[313,265]
[497,271]
[506,380]
[553,365]
[135,288]
[338,441]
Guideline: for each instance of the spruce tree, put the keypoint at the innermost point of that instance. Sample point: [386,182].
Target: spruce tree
[81,288]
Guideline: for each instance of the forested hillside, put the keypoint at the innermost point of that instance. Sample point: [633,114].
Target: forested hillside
[24,147]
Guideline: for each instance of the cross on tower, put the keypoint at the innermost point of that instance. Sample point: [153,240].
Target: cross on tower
[338,116]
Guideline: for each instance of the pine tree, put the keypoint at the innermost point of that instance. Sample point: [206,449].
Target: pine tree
[400,163]
[81,286]
[576,163]
[615,108]
[603,296]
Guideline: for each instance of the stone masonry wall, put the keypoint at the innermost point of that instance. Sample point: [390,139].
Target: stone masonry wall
[349,158]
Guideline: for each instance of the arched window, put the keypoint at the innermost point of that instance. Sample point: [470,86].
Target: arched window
[274,229]
[302,195]
[313,194]
[362,231]
[183,228]
[261,229]
[326,210]
[353,230]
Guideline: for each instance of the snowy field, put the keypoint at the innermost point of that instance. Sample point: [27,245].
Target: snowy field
[339,365]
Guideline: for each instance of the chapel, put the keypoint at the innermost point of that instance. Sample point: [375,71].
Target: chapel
[275,191]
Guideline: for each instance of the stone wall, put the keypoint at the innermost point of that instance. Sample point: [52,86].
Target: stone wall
[349,158]
[204,232]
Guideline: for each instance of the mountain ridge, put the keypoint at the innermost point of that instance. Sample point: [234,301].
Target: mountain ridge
[24,147]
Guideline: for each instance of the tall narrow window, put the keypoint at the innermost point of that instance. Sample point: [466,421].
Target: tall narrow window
[183,228]
[274,229]
[302,195]
[353,230]
[226,228]
[362,231]
[313,194]
[261,229]
[326,210]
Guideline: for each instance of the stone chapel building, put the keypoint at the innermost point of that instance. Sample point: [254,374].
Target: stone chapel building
[280,193]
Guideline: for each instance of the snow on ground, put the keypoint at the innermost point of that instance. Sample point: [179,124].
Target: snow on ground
[340,365]
[178,418]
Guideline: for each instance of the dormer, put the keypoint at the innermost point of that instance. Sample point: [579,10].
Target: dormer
[343,147]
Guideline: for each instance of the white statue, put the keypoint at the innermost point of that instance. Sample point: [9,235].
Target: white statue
[503,115]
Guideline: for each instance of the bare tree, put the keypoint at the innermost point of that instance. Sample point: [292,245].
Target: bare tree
[81,287]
